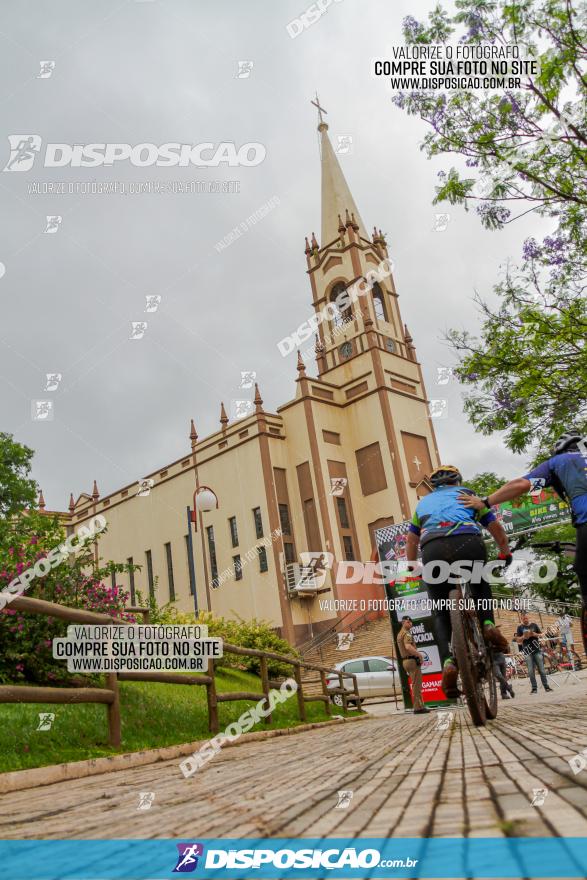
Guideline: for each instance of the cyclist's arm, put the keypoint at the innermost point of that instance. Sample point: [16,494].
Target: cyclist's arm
[513,489]
[498,534]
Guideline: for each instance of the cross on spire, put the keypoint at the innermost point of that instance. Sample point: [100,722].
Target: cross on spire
[320,109]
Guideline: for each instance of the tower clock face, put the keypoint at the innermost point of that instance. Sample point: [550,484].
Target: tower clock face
[346,349]
[390,345]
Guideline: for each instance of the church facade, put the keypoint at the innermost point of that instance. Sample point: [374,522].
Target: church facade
[346,455]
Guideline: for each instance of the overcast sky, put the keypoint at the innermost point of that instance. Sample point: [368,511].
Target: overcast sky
[159,72]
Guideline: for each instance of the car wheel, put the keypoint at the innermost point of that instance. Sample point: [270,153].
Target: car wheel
[337,700]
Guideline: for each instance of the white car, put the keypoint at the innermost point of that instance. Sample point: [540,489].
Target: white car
[376,677]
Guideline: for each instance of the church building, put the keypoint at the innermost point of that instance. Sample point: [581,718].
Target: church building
[348,454]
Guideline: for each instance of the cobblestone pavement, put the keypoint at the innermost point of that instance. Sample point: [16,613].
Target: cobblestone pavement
[408,779]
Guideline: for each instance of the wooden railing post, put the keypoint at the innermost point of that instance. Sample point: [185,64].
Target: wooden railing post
[356,691]
[343,695]
[114,732]
[300,692]
[265,684]
[213,724]
[327,706]
[139,609]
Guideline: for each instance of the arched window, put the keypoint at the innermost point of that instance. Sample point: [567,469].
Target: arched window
[342,315]
[379,303]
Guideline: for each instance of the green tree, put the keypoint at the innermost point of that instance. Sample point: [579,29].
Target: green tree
[485,483]
[17,489]
[564,587]
[520,151]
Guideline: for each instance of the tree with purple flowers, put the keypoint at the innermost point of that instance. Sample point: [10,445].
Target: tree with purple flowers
[522,151]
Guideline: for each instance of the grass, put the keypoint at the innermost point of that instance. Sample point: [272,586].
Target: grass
[153,715]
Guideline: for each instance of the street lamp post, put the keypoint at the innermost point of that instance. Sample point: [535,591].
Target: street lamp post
[204,499]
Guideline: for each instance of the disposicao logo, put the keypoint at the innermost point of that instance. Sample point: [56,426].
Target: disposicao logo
[24,149]
[187,860]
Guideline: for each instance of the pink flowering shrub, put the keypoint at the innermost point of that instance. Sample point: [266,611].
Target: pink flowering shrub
[26,639]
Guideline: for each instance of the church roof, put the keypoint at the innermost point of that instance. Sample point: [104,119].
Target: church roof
[336,195]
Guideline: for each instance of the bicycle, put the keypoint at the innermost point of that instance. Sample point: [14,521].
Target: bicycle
[568,658]
[474,657]
[517,666]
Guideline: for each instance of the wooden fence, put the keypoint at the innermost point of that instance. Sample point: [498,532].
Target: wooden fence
[110,695]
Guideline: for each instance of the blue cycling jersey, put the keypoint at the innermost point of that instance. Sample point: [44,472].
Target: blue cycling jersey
[567,475]
[441,513]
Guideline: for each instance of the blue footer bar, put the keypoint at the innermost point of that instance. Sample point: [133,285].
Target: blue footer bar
[227,859]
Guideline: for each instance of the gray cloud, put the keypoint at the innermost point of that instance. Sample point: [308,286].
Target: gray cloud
[166,71]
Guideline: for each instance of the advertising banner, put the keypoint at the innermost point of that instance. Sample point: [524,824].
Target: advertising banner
[532,511]
[411,597]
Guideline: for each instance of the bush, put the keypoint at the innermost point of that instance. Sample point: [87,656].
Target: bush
[26,639]
[257,634]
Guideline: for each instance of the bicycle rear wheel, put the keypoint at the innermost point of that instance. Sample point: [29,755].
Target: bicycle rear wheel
[550,665]
[466,648]
[490,691]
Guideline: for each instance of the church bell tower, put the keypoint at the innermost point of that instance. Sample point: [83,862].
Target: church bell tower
[362,345]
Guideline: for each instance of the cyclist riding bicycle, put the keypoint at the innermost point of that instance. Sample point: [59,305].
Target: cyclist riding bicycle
[447,532]
[566,473]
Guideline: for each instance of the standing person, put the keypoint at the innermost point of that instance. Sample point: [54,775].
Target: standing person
[527,637]
[412,663]
[565,629]
[566,473]
[500,672]
[448,531]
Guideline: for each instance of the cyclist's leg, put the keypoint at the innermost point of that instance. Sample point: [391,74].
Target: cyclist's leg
[477,552]
[436,551]
[474,549]
[442,627]
[581,572]
[499,671]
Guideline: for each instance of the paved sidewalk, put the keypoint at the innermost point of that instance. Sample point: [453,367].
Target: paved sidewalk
[408,779]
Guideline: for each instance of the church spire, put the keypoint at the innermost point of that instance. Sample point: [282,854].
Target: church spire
[336,195]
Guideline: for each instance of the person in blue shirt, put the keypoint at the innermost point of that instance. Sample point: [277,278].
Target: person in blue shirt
[566,473]
[448,531]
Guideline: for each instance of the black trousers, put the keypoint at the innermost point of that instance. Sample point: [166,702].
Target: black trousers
[455,548]
[499,668]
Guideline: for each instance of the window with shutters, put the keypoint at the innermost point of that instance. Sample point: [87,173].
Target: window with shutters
[170,580]
[258,522]
[233,531]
